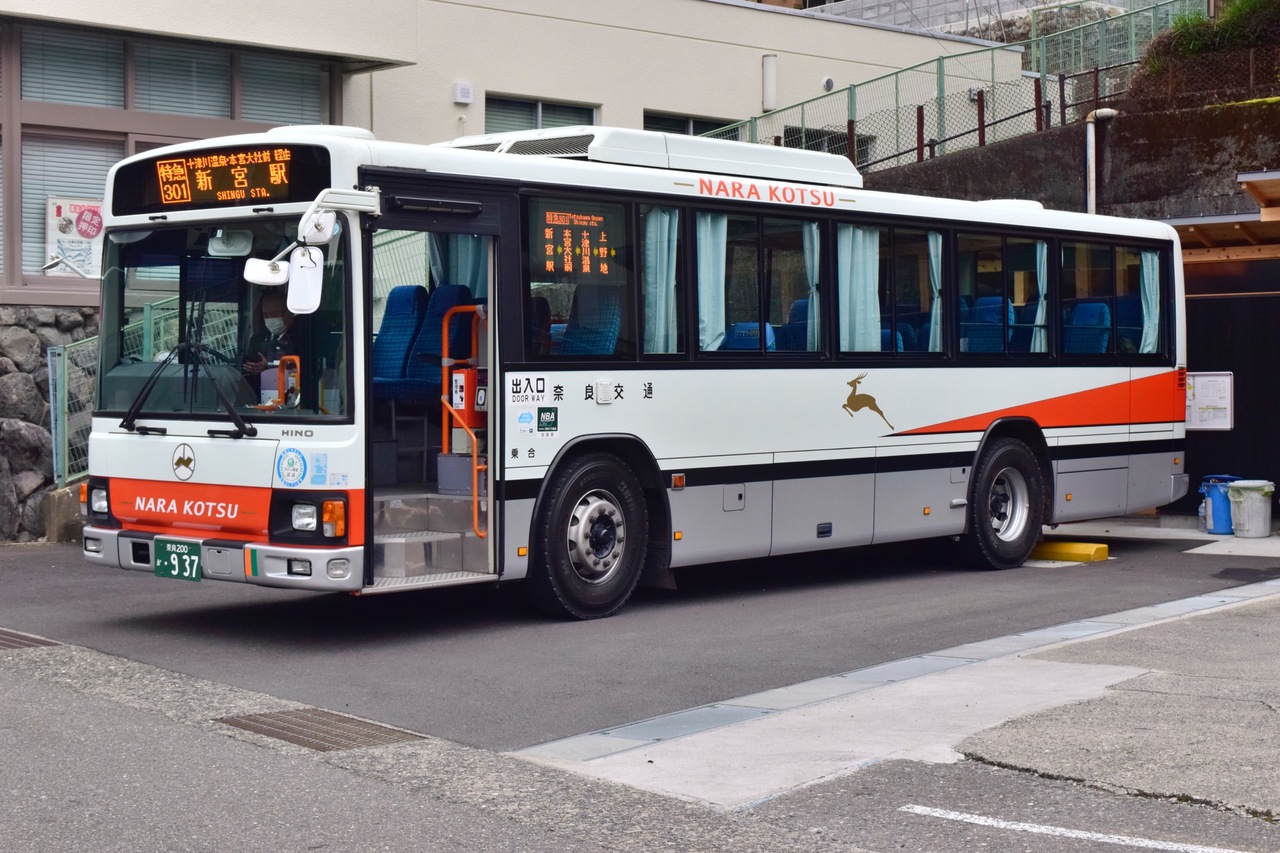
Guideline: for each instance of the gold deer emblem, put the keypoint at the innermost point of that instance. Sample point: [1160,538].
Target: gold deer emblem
[857,402]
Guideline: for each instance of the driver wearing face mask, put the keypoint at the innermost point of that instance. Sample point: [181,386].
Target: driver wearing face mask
[274,339]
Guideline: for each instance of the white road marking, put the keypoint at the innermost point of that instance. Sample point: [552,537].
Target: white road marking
[1062,832]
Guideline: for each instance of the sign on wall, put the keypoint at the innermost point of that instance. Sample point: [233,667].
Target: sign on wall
[1210,401]
[73,232]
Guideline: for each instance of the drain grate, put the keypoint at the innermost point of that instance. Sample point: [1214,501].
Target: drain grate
[14,640]
[323,731]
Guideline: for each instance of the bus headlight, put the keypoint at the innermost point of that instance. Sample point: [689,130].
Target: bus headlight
[98,500]
[304,517]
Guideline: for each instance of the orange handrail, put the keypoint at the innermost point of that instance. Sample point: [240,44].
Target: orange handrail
[449,415]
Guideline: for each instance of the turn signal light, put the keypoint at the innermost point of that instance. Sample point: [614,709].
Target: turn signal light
[333,514]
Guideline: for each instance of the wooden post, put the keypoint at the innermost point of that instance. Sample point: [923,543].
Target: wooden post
[982,118]
[851,143]
[1062,99]
[1039,96]
[920,133]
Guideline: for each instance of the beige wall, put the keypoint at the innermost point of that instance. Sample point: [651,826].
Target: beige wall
[688,57]
[383,30]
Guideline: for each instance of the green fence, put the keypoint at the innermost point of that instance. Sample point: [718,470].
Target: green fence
[969,99]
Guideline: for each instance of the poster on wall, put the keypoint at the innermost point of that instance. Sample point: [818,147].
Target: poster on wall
[73,232]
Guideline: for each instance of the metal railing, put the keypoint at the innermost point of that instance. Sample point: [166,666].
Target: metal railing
[879,122]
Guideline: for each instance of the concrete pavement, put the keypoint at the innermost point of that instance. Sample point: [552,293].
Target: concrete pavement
[1179,701]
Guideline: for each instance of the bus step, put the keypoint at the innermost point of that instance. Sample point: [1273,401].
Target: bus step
[382,584]
[405,510]
[421,553]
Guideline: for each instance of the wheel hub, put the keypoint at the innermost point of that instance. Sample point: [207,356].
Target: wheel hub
[596,536]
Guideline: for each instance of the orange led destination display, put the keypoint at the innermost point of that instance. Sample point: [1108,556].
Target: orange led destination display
[225,177]
[579,241]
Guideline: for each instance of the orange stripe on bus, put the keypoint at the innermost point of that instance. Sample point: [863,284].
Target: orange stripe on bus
[210,511]
[1153,399]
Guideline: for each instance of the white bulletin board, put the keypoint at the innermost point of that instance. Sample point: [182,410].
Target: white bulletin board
[1210,401]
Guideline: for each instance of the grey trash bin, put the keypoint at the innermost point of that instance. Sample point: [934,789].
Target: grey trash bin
[1251,507]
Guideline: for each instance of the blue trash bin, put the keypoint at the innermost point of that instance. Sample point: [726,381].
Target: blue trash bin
[1218,507]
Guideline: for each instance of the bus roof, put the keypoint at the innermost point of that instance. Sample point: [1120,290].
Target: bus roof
[628,147]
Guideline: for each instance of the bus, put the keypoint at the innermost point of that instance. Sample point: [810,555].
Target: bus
[581,358]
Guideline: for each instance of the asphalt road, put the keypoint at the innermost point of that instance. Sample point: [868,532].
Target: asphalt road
[478,667]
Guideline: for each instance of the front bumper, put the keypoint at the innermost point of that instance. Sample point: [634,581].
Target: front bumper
[332,569]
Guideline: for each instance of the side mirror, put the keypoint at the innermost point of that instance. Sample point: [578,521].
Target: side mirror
[318,228]
[268,273]
[306,278]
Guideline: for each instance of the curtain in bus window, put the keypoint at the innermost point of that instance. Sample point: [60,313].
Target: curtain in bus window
[935,284]
[661,320]
[858,284]
[1150,288]
[1040,340]
[713,239]
[811,271]
[461,259]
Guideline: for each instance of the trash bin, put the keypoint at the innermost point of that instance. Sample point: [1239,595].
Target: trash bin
[1217,506]
[1251,507]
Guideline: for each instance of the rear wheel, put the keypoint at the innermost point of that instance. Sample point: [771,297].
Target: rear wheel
[1007,507]
[589,539]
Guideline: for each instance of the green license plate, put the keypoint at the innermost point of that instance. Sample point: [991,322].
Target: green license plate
[174,559]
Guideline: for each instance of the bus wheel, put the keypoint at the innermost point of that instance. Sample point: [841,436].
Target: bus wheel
[589,539]
[1008,506]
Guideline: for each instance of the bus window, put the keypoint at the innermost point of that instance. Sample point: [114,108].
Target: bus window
[660,279]
[908,322]
[792,257]
[858,252]
[580,286]
[986,312]
[746,263]
[1088,292]
[1027,288]
[1137,314]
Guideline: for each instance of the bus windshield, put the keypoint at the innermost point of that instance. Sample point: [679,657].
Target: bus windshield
[185,335]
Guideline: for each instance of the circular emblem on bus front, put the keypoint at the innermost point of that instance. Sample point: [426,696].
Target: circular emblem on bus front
[184,462]
[291,467]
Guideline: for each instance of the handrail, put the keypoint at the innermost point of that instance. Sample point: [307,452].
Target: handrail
[449,415]
[476,468]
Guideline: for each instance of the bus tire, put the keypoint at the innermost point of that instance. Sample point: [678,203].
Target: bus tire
[589,539]
[1007,509]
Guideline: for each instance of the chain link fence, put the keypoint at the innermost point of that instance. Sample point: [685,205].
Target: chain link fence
[1220,77]
[962,101]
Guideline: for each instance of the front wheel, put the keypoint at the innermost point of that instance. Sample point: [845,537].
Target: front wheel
[589,539]
[1008,506]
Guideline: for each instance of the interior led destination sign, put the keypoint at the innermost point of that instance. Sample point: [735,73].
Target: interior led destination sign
[225,177]
[579,241]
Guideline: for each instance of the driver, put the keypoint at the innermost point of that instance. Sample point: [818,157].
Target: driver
[275,337]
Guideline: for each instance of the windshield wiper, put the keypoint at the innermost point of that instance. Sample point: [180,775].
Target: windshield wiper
[198,350]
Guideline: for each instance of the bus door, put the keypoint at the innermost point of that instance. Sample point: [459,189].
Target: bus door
[432,276]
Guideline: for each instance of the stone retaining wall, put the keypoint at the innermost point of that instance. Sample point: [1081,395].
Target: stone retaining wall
[26,445]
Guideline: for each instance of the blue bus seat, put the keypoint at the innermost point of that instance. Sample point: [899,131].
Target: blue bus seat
[421,380]
[1088,330]
[401,318]
[794,335]
[595,319]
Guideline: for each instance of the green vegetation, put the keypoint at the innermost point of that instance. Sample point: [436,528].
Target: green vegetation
[1241,23]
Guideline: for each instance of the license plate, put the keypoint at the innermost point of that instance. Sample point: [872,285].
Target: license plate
[174,559]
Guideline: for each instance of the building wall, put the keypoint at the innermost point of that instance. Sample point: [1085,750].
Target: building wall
[698,58]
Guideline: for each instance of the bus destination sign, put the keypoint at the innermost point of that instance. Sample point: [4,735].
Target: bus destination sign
[225,177]
[578,240]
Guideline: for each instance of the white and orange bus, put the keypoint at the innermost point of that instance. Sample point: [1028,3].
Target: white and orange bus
[581,358]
